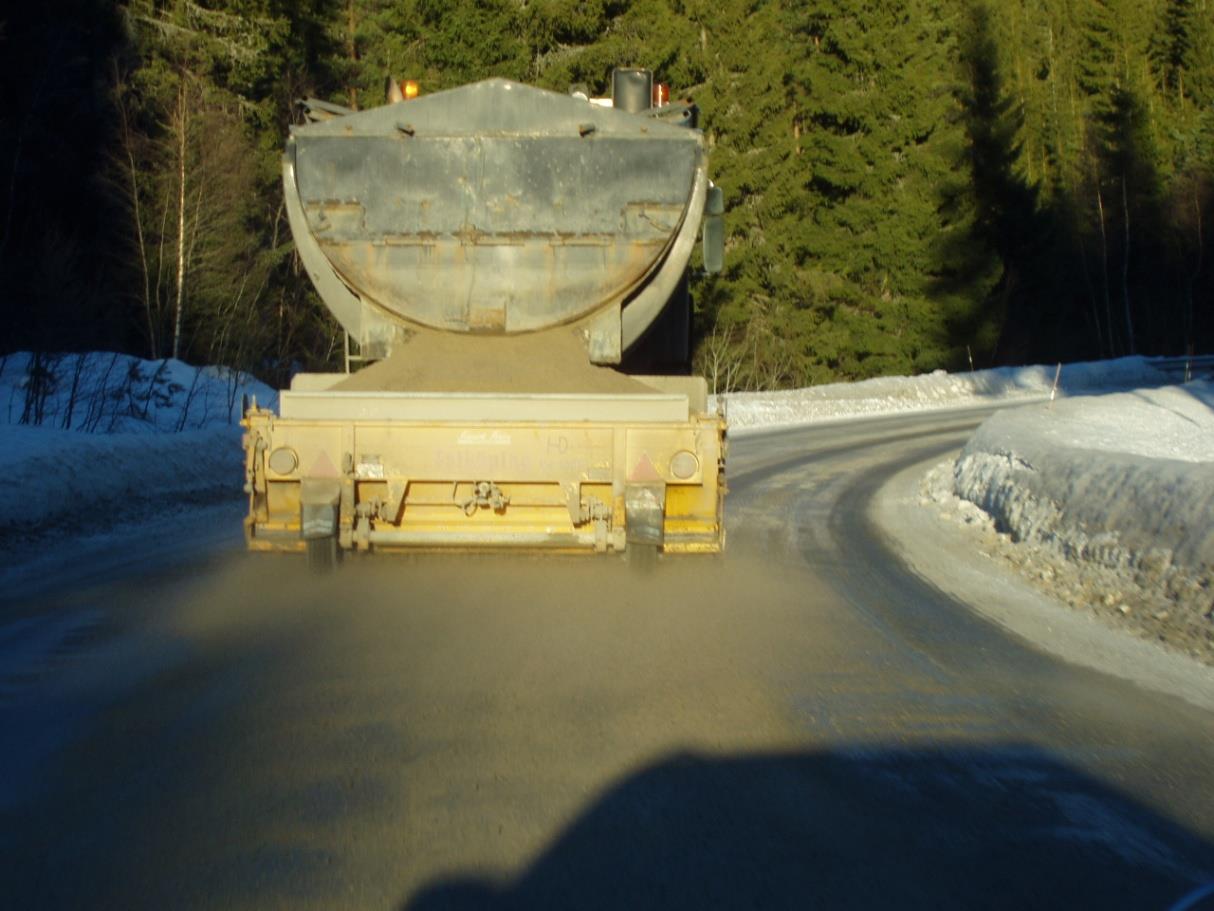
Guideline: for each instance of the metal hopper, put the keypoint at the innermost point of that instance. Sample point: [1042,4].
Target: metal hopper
[495,208]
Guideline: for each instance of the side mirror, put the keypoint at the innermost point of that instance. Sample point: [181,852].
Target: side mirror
[714,230]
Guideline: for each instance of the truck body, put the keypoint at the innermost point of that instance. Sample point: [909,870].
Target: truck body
[496,253]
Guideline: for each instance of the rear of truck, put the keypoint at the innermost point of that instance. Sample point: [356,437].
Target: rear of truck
[396,471]
[498,250]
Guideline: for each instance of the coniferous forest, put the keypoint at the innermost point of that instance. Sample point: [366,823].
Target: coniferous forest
[911,184]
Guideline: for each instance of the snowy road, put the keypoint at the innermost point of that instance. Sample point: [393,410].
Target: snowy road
[803,723]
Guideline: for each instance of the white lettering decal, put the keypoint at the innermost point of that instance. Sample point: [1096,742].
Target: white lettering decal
[483,438]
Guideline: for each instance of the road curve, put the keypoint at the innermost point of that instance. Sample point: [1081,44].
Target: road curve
[802,723]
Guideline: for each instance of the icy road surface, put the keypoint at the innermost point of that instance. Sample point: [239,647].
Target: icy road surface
[803,723]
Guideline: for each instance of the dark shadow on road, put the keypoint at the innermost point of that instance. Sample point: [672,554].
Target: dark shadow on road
[879,828]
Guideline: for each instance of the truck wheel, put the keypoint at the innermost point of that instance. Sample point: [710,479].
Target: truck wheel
[322,555]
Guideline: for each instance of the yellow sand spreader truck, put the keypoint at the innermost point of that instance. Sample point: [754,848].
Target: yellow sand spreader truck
[511,266]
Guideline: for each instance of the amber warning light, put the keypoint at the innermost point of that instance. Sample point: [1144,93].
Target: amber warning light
[661,94]
[410,89]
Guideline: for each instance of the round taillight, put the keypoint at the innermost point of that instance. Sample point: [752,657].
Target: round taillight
[684,465]
[283,460]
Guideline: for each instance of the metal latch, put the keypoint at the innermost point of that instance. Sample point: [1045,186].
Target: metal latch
[484,493]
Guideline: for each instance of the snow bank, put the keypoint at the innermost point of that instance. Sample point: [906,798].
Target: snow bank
[1108,499]
[1124,482]
[890,395]
[103,392]
[54,477]
[93,437]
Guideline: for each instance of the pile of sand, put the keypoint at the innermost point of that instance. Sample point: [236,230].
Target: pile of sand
[551,361]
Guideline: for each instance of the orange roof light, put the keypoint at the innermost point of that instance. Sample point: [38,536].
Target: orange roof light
[410,89]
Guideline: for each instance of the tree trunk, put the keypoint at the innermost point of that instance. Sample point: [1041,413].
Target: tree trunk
[1125,266]
[351,50]
[1194,276]
[181,175]
[35,103]
[1087,284]
[1104,266]
[6,230]
[137,211]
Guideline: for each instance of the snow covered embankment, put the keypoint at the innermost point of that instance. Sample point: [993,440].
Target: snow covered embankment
[897,394]
[1118,487]
[90,439]
[1106,501]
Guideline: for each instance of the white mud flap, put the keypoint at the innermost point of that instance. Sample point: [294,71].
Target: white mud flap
[644,513]
[318,499]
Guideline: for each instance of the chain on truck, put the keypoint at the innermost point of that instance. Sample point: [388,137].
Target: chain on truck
[510,266]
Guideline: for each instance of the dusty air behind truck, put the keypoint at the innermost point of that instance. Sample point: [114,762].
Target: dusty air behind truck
[495,252]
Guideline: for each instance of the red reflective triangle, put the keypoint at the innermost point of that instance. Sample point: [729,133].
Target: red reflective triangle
[323,467]
[644,470]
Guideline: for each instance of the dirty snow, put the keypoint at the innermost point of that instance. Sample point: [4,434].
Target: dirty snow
[1108,501]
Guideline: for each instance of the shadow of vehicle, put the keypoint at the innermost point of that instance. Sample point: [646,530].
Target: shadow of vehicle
[995,827]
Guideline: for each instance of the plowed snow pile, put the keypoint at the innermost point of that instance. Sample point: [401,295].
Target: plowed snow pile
[895,394]
[446,362]
[87,440]
[1109,500]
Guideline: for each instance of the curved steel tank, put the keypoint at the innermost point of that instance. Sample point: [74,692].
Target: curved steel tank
[496,208]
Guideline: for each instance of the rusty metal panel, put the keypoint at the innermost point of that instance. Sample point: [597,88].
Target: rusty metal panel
[442,406]
[318,450]
[651,454]
[494,207]
[563,486]
[503,453]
